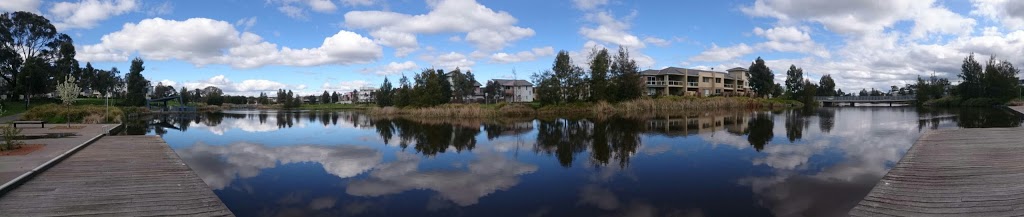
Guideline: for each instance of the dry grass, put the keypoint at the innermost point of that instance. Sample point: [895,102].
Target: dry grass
[77,114]
[456,111]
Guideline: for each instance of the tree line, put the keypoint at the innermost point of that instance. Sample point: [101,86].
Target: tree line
[608,78]
[429,87]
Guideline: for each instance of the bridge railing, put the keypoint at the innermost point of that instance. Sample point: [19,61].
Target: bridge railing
[865,98]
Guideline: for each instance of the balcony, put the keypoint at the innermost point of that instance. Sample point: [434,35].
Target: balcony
[692,83]
[730,86]
[655,83]
[675,83]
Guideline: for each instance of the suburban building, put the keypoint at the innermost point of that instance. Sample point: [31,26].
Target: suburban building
[695,82]
[515,90]
[367,94]
[478,93]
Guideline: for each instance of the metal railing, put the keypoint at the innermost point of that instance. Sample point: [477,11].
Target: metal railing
[730,85]
[692,84]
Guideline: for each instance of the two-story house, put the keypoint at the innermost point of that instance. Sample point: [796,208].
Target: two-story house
[515,90]
[695,82]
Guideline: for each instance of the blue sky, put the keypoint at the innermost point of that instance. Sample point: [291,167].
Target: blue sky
[247,47]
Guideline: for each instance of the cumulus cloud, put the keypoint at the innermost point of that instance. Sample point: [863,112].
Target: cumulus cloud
[203,41]
[610,29]
[246,87]
[87,13]
[486,175]
[523,56]
[393,68]
[1010,13]
[450,61]
[849,17]
[484,28]
[716,53]
[660,42]
[20,5]
[218,166]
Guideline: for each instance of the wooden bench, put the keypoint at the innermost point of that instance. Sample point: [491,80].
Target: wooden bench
[41,123]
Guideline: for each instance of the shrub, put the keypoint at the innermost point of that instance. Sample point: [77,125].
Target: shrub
[10,133]
[59,114]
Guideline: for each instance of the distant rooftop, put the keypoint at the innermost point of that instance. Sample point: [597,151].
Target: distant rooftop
[515,83]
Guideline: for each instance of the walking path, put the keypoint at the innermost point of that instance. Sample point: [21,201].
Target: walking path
[116,176]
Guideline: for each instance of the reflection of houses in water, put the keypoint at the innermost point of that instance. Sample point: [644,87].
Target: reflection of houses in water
[515,128]
[692,124]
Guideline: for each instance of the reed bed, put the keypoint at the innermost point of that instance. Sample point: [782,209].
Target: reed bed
[89,114]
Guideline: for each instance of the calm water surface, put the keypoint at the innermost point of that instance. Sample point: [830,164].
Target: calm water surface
[737,163]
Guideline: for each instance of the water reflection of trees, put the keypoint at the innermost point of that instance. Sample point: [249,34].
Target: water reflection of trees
[426,138]
[760,130]
[826,119]
[611,138]
[934,118]
[795,124]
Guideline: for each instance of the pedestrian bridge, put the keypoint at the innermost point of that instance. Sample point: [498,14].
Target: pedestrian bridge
[838,100]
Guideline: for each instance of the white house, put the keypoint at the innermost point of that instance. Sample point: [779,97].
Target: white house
[515,90]
[367,94]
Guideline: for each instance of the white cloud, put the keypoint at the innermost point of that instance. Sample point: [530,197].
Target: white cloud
[660,42]
[589,4]
[247,87]
[344,86]
[246,23]
[20,5]
[484,28]
[297,8]
[611,30]
[716,53]
[87,13]
[787,34]
[359,2]
[450,61]
[486,175]
[1010,13]
[523,56]
[218,166]
[165,8]
[166,82]
[203,41]
[393,68]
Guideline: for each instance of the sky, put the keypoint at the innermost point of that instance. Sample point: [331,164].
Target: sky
[248,47]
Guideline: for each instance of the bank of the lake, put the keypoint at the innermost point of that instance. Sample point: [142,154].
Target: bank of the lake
[665,105]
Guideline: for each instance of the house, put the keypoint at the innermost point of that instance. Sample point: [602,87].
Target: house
[695,82]
[478,93]
[367,94]
[515,90]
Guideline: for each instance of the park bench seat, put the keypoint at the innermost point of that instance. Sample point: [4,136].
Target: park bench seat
[41,123]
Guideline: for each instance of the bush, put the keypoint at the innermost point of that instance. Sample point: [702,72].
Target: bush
[10,133]
[77,114]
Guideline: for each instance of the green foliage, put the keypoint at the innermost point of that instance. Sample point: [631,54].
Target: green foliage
[795,80]
[137,84]
[10,134]
[600,62]
[28,45]
[972,75]
[548,88]
[827,86]
[954,101]
[184,93]
[762,78]
[403,95]
[385,94]
[626,77]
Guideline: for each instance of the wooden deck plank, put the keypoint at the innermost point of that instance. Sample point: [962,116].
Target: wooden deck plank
[116,176]
[957,172]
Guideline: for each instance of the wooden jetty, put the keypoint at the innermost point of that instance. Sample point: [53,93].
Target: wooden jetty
[116,176]
[957,172]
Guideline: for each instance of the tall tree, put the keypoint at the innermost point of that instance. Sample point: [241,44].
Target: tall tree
[27,37]
[1001,80]
[827,86]
[973,76]
[600,62]
[626,77]
[385,94]
[762,79]
[325,97]
[403,96]
[137,84]
[794,81]
[185,95]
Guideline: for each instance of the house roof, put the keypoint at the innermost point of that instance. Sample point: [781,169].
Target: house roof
[514,83]
[682,71]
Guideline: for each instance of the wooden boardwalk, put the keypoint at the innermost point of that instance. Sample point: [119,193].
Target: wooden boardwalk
[958,172]
[116,176]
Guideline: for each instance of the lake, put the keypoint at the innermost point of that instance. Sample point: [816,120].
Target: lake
[721,163]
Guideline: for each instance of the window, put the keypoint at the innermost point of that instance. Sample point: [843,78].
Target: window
[718,80]
[706,79]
